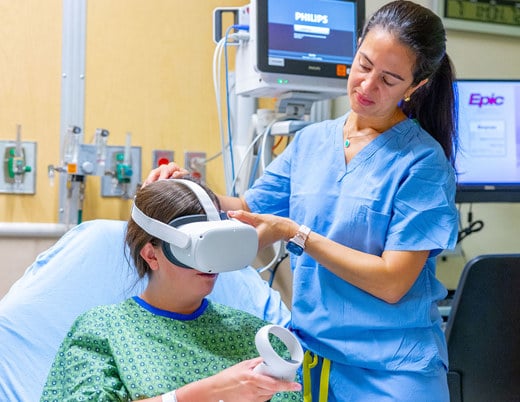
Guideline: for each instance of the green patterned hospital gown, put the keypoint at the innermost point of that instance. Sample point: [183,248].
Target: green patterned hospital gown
[131,351]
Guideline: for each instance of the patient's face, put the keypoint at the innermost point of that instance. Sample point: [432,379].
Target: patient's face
[184,281]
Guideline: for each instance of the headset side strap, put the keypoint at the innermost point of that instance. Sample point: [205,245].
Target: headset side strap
[160,229]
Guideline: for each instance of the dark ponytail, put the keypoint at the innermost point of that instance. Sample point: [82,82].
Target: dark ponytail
[433,105]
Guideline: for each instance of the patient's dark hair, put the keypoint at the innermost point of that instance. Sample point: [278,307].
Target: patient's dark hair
[163,200]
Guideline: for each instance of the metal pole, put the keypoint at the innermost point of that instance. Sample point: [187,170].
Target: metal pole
[72,93]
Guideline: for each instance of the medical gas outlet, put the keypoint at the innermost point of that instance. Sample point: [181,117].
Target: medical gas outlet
[123,174]
[123,169]
[118,166]
[17,175]
[83,159]
[16,167]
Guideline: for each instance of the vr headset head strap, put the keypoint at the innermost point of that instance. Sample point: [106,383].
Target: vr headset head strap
[204,199]
[159,229]
[167,232]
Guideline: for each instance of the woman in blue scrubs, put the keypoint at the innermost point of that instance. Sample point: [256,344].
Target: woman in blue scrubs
[366,203]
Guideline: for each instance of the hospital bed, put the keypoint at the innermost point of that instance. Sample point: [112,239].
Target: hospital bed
[85,268]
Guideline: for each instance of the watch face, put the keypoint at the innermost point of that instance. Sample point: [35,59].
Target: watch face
[294,248]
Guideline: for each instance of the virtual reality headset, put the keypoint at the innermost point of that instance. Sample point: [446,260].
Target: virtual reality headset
[206,243]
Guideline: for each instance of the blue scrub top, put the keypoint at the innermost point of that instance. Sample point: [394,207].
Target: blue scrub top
[397,193]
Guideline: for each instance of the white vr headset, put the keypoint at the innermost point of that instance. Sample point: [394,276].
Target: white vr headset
[206,243]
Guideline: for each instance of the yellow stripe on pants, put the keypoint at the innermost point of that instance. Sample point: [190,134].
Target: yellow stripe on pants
[310,361]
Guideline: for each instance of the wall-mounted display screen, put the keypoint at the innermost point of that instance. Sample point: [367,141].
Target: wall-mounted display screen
[488,161]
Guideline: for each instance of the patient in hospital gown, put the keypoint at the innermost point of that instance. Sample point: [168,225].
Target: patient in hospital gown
[168,338]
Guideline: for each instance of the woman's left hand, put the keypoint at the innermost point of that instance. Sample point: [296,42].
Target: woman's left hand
[169,171]
[270,228]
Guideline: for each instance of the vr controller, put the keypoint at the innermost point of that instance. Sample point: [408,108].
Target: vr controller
[273,364]
[206,243]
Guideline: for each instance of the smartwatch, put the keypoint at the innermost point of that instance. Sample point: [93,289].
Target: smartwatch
[296,245]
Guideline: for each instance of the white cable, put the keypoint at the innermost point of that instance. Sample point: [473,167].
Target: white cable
[263,163]
[249,149]
[217,61]
[267,133]
[216,70]
[278,255]
[244,158]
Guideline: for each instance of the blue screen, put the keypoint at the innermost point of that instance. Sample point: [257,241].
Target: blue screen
[310,30]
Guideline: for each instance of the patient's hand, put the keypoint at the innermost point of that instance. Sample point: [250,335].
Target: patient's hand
[169,171]
[237,383]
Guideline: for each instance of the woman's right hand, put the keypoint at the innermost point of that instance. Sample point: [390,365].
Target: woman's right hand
[169,171]
[270,228]
[238,383]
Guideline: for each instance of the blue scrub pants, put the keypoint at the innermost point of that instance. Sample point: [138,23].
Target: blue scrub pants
[354,384]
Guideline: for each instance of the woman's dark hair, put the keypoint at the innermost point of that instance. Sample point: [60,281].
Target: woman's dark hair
[420,29]
[163,200]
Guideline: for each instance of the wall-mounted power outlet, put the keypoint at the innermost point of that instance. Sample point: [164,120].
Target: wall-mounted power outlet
[195,163]
[161,157]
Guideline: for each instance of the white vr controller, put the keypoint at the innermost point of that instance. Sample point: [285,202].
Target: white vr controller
[273,364]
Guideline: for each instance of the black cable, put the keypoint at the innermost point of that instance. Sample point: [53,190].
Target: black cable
[275,268]
[472,227]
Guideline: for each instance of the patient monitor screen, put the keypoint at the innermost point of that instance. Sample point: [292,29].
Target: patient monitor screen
[312,37]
